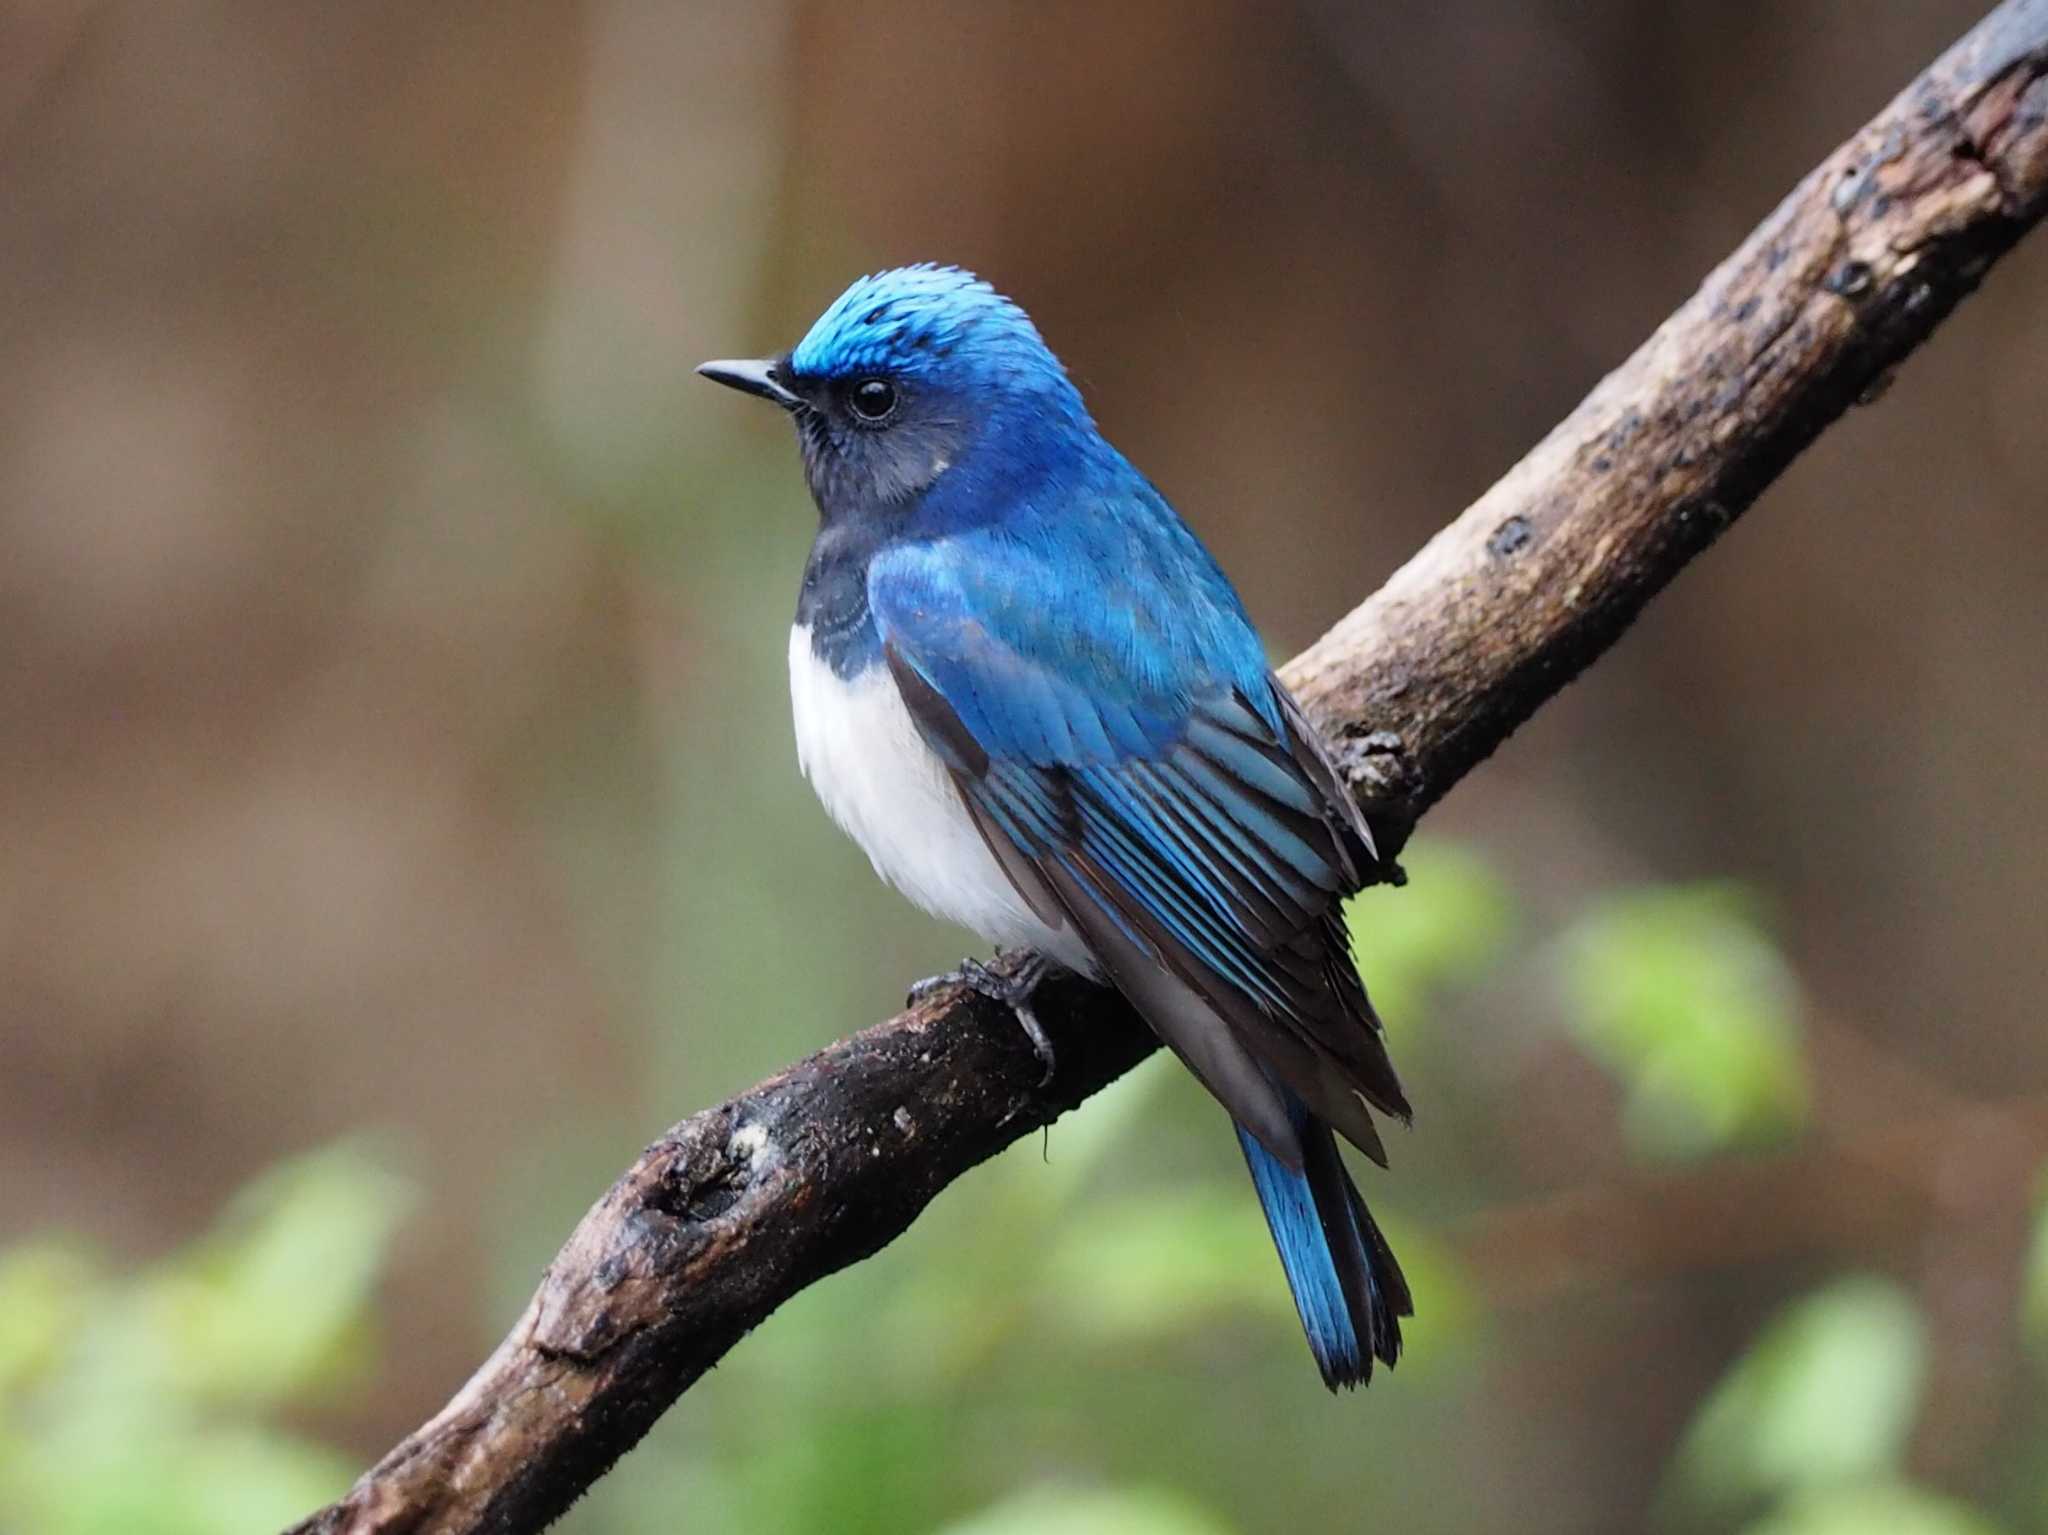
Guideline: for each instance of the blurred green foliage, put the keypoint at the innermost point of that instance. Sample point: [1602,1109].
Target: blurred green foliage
[1681,995]
[1813,1423]
[1825,1396]
[1050,1511]
[2034,1300]
[1065,1344]
[1453,918]
[150,1403]
[1873,1508]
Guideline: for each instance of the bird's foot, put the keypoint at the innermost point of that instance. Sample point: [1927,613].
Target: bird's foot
[923,991]
[1014,992]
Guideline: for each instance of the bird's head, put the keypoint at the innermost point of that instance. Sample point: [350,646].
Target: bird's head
[910,374]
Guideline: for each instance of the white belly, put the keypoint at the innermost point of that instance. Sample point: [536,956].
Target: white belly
[889,792]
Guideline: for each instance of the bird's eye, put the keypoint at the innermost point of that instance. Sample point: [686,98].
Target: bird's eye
[873,400]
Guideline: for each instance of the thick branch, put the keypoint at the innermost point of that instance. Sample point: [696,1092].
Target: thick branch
[739,1207]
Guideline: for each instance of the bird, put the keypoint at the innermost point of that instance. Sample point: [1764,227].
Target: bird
[1026,689]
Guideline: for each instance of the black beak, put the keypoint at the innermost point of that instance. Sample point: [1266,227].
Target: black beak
[750,377]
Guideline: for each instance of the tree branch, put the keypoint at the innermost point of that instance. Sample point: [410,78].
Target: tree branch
[737,1208]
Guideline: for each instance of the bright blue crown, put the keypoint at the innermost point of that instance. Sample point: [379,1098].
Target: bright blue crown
[909,318]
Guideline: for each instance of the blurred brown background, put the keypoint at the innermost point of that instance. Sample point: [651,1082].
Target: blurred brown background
[393,728]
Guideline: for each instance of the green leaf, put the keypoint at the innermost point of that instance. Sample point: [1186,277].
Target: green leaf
[1044,1178]
[2034,1299]
[1680,995]
[1160,1263]
[46,1290]
[274,1302]
[127,1399]
[1890,1507]
[1826,1395]
[1454,915]
[168,1478]
[1059,1511]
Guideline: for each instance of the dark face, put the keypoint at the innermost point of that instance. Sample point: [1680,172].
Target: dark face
[873,440]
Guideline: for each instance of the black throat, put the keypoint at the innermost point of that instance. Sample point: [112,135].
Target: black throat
[834,602]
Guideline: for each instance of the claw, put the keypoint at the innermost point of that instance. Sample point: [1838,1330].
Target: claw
[923,991]
[1013,992]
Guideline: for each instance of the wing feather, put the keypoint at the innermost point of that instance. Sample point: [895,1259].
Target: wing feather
[1188,824]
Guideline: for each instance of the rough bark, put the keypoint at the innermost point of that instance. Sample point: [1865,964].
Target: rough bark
[737,1208]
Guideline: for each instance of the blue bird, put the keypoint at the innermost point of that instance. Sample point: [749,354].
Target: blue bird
[1028,692]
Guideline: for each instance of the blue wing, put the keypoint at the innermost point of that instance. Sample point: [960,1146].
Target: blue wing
[1139,773]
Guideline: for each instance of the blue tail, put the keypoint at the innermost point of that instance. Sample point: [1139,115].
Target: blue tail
[1347,1286]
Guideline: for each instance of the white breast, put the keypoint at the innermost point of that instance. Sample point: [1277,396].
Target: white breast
[889,792]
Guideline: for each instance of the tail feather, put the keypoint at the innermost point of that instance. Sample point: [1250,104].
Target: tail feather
[1347,1287]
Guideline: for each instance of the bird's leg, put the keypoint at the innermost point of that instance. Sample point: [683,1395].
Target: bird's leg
[1014,992]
